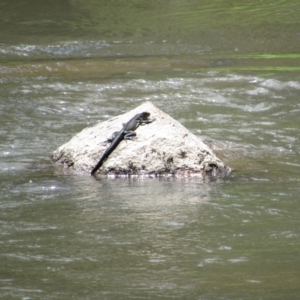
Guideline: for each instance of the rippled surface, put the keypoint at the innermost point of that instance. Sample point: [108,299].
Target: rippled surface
[66,235]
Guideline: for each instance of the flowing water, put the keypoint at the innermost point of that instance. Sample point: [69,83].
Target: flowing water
[229,71]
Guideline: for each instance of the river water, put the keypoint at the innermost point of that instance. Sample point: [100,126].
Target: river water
[229,71]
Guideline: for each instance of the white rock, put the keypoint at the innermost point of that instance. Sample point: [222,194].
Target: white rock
[163,147]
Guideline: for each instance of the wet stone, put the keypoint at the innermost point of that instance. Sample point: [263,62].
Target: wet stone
[161,148]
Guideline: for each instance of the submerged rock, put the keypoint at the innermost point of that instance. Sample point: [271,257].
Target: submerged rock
[163,147]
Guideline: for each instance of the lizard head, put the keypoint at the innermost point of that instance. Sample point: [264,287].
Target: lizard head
[145,115]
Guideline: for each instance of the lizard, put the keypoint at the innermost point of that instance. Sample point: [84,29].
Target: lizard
[127,132]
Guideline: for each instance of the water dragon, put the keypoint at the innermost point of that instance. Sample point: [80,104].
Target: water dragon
[127,132]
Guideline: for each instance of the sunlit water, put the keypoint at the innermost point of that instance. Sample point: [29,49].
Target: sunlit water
[65,235]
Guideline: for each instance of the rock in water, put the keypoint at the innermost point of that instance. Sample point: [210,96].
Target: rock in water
[163,147]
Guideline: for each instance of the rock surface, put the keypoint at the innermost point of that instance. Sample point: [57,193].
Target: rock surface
[163,147]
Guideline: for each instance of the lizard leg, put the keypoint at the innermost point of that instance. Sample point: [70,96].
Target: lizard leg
[113,136]
[143,122]
[129,135]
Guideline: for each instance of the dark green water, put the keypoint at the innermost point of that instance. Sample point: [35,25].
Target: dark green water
[229,72]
